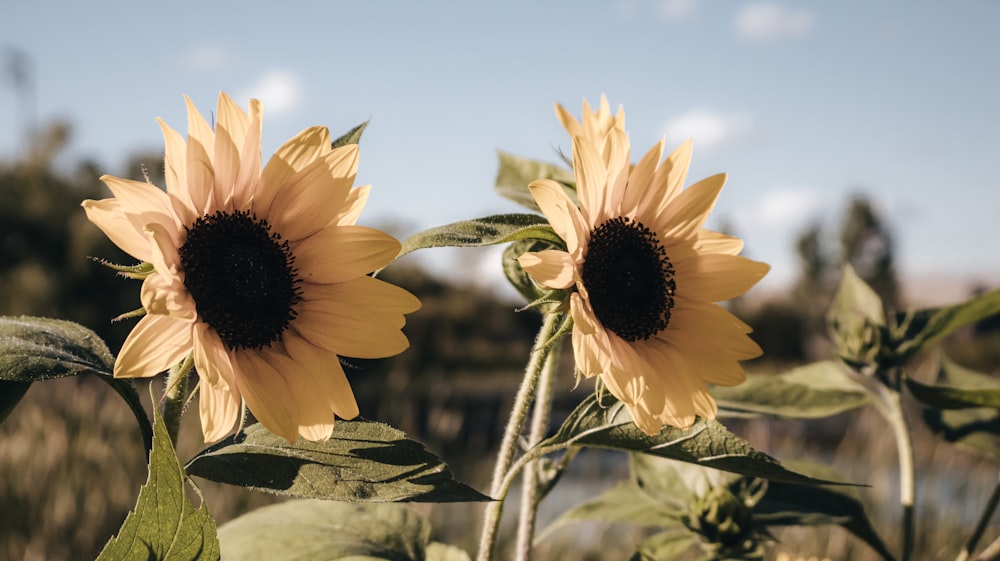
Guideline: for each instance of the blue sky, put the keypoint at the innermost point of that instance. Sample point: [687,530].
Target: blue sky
[801,103]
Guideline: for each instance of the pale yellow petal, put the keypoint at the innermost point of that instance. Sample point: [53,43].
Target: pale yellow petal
[562,213]
[568,121]
[166,295]
[200,147]
[687,213]
[248,175]
[717,277]
[616,158]
[376,295]
[108,216]
[292,157]
[669,178]
[155,344]
[326,375]
[266,394]
[348,328]
[219,409]
[353,206]
[715,242]
[340,253]
[551,268]
[230,133]
[211,359]
[175,173]
[282,396]
[314,197]
[638,196]
[591,181]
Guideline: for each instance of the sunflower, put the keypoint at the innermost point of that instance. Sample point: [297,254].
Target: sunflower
[593,125]
[646,276]
[260,276]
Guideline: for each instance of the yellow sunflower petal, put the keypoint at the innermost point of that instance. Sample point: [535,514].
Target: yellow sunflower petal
[353,206]
[615,152]
[230,132]
[341,253]
[562,213]
[717,277]
[282,397]
[638,195]
[248,173]
[687,213]
[551,268]
[267,395]
[292,157]
[314,197]
[213,362]
[714,242]
[347,328]
[670,176]
[155,344]
[568,121]
[108,216]
[219,409]
[326,375]
[591,181]
[200,146]
[175,173]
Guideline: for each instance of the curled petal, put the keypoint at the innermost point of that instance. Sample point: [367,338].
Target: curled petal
[155,344]
[551,268]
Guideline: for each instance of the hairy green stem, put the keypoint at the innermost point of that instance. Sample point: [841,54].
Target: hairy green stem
[508,446]
[173,397]
[984,519]
[536,433]
[891,408]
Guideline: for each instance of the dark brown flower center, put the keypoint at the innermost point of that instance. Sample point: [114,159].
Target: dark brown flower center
[629,279]
[242,278]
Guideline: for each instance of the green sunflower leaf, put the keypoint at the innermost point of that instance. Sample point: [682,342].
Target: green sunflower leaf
[515,173]
[607,423]
[796,505]
[489,230]
[817,390]
[352,136]
[10,394]
[34,349]
[972,426]
[856,320]
[362,461]
[624,503]
[317,530]
[917,329]
[164,526]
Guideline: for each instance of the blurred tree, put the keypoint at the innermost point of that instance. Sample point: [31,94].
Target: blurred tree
[45,242]
[865,241]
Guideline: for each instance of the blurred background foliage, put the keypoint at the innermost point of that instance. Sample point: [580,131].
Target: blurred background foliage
[70,462]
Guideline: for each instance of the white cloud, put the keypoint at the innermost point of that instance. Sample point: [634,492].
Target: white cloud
[787,208]
[207,58]
[708,128]
[278,90]
[677,10]
[772,22]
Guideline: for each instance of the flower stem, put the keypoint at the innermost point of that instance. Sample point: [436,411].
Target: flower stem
[539,426]
[984,519]
[173,397]
[508,446]
[891,408]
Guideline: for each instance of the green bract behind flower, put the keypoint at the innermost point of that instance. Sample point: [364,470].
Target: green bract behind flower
[260,274]
[646,275]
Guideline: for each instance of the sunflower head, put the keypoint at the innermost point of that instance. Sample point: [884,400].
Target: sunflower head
[644,277]
[259,272]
